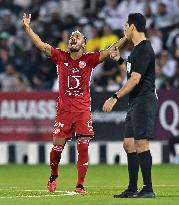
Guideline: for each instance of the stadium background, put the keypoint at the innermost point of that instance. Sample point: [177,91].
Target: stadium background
[29,88]
[28,81]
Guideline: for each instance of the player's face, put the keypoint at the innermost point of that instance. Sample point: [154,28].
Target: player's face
[76,42]
[128,30]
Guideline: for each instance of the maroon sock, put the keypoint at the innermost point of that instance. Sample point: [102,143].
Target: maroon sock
[55,156]
[82,164]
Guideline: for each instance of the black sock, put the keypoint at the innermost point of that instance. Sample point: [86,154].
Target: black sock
[133,169]
[145,161]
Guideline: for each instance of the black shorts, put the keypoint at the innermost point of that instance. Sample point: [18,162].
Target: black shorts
[140,119]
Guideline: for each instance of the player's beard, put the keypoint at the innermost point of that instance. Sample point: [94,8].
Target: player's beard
[74,49]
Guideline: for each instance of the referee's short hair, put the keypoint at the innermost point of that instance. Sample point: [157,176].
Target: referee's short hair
[138,20]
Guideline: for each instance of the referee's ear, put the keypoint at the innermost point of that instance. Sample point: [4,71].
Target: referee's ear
[133,27]
[136,77]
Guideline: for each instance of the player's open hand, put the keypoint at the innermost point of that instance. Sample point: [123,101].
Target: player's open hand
[109,104]
[114,53]
[26,20]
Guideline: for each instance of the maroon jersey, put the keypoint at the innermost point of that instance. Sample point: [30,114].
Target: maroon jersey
[74,79]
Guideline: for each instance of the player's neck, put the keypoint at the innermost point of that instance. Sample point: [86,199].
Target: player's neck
[137,38]
[76,55]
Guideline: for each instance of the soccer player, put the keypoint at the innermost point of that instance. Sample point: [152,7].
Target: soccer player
[73,105]
[140,119]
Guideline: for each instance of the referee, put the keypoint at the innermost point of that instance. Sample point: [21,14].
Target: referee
[140,119]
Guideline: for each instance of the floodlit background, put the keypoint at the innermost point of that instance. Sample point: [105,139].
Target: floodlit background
[28,80]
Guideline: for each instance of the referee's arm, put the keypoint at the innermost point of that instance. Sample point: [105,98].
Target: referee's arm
[130,84]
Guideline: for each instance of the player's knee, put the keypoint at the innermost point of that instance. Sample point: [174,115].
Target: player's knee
[82,146]
[59,141]
[141,145]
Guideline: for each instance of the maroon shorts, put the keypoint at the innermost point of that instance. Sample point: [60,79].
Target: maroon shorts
[69,123]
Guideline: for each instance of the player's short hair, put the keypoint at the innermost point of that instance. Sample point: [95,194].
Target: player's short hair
[138,20]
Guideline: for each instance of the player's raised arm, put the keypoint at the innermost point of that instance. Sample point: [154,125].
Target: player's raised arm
[44,47]
[119,44]
[115,55]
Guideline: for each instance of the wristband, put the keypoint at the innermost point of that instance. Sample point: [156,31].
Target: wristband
[120,61]
[115,96]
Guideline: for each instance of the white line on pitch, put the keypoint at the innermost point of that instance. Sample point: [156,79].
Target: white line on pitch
[29,190]
[38,196]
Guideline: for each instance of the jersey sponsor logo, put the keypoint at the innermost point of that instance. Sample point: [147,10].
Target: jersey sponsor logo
[75,70]
[128,67]
[76,78]
[74,88]
[82,64]
[59,124]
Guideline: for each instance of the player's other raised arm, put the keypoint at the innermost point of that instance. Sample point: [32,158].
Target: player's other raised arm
[115,55]
[44,47]
[119,44]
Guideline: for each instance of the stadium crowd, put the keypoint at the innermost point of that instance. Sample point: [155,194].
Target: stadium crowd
[24,68]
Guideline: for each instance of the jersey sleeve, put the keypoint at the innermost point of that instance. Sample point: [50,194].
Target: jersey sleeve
[142,61]
[94,59]
[56,55]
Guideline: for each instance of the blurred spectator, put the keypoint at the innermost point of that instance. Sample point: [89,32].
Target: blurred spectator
[168,64]
[111,15]
[7,22]
[174,158]
[109,70]
[69,22]
[4,58]
[11,80]
[164,21]
[74,8]
[154,36]
[173,40]
[43,80]
[108,37]
[160,78]
[63,44]
[149,16]
[174,81]
[93,43]
[163,18]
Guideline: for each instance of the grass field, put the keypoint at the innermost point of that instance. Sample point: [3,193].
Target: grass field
[24,184]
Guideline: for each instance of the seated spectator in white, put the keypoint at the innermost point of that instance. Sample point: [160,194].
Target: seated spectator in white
[111,15]
[149,16]
[163,18]
[168,64]
[155,36]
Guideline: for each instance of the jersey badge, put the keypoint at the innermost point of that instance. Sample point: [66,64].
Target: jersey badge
[82,64]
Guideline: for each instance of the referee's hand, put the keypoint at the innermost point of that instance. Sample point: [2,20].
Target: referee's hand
[109,104]
[115,54]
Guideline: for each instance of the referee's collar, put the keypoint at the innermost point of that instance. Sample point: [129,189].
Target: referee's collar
[141,42]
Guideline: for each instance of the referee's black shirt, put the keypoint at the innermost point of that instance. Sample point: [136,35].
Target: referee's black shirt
[142,60]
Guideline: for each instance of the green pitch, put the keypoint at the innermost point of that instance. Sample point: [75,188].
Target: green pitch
[23,184]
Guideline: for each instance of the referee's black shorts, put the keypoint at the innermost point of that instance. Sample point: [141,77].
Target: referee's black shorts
[140,119]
